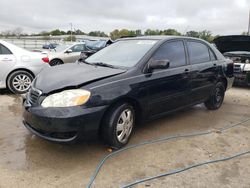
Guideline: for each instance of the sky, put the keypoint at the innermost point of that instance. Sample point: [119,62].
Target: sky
[219,16]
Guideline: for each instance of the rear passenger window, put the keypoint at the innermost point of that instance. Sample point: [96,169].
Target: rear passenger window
[4,50]
[172,51]
[198,52]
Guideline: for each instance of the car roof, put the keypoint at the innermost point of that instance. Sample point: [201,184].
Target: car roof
[160,38]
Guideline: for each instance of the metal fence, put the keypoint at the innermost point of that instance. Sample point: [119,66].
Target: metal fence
[36,42]
[32,44]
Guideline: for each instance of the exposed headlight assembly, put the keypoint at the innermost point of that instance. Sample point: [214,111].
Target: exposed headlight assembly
[67,98]
[247,67]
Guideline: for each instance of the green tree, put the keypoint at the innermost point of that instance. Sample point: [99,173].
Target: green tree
[193,34]
[152,32]
[79,32]
[124,33]
[171,32]
[138,32]
[55,32]
[114,34]
[206,35]
[69,38]
[97,34]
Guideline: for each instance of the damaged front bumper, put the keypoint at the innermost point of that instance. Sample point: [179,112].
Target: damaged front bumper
[63,124]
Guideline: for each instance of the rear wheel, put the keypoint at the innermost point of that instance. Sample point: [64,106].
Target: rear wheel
[216,98]
[118,125]
[19,82]
[55,62]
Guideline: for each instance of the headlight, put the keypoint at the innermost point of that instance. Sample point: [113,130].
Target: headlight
[247,67]
[67,98]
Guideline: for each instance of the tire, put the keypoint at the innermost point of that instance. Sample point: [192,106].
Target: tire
[55,62]
[216,98]
[121,116]
[19,81]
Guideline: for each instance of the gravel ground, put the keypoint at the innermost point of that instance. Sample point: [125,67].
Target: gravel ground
[28,161]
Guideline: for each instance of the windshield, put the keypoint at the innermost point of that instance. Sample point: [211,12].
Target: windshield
[61,48]
[122,53]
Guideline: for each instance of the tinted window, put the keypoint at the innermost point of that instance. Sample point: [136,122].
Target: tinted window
[198,52]
[212,56]
[78,48]
[172,51]
[4,50]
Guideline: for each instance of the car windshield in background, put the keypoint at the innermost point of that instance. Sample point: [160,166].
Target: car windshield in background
[125,53]
[61,48]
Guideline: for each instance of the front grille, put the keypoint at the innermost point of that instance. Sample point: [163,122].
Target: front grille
[34,95]
[237,68]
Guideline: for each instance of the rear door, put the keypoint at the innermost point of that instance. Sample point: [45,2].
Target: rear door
[204,70]
[7,61]
[168,89]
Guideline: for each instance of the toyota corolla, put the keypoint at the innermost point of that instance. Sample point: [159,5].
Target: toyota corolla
[133,79]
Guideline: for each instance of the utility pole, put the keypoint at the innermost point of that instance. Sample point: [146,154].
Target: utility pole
[248,33]
[71,25]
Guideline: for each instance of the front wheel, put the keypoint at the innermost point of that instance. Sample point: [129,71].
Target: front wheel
[118,125]
[19,81]
[216,98]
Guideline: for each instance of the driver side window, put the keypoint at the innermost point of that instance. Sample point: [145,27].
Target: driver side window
[173,51]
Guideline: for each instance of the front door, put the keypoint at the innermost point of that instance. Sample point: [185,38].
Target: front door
[168,89]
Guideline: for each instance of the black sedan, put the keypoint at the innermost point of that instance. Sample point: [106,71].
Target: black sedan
[133,79]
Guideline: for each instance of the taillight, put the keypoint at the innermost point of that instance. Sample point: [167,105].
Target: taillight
[45,59]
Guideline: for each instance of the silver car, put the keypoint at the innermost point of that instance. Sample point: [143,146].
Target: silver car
[66,53]
[18,67]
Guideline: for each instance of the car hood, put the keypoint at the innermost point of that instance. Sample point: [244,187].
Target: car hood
[232,43]
[71,75]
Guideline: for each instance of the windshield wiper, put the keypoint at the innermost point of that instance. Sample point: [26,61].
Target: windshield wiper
[83,61]
[103,65]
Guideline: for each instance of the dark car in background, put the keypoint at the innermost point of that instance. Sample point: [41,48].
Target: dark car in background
[237,48]
[97,45]
[50,46]
[93,46]
[131,80]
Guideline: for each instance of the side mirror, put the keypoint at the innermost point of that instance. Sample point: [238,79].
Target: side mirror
[158,64]
[68,51]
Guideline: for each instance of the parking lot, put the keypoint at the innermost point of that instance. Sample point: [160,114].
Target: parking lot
[28,161]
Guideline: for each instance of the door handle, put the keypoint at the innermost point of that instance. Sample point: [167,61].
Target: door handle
[186,70]
[215,65]
[6,59]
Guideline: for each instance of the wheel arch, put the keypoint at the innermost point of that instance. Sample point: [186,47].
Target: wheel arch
[132,101]
[56,58]
[15,70]
[224,81]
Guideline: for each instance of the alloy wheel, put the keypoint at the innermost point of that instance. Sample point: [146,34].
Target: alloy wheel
[124,125]
[21,82]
